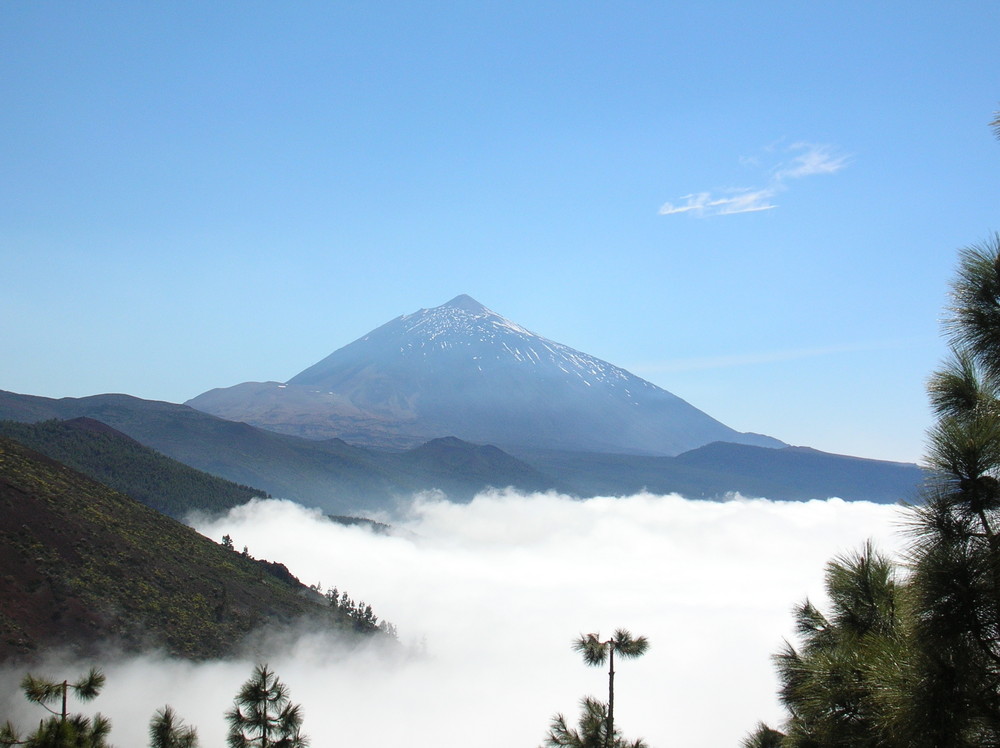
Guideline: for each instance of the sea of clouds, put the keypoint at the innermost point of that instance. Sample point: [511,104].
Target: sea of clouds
[488,596]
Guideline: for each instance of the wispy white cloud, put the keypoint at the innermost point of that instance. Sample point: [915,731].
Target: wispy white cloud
[812,160]
[745,201]
[803,160]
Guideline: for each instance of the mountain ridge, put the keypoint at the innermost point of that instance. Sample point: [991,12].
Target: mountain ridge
[338,477]
[722,470]
[458,399]
[109,456]
[346,479]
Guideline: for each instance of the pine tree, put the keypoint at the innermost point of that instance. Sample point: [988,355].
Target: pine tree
[167,730]
[263,717]
[592,731]
[596,652]
[953,696]
[832,684]
[62,729]
[923,671]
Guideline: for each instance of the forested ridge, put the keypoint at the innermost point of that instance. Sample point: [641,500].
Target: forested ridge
[110,457]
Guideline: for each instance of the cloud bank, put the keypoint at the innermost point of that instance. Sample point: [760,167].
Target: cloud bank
[802,160]
[488,597]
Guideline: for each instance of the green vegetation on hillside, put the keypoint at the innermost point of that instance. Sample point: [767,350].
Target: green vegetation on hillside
[82,564]
[112,458]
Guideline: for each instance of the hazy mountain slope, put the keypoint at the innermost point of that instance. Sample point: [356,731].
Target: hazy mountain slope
[281,465]
[719,469]
[462,370]
[84,564]
[329,474]
[309,413]
[452,466]
[349,480]
[118,461]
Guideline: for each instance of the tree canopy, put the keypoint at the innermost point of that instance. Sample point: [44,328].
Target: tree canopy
[61,729]
[262,715]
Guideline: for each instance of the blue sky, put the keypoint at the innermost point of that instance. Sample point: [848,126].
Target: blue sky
[755,206]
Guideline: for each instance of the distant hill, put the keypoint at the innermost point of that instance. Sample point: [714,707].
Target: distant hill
[459,399]
[330,474]
[110,457]
[717,470]
[463,370]
[83,565]
[452,465]
[347,480]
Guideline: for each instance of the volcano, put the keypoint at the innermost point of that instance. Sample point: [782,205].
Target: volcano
[463,370]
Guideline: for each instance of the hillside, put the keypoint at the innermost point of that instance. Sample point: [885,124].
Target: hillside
[118,461]
[83,564]
[331,474]
[348,480]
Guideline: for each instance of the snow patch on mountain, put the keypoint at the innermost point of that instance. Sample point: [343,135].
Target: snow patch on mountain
[464,323]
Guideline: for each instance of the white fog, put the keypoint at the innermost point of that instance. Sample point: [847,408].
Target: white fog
[487,598]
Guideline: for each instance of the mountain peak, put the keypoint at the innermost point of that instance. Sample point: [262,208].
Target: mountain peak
[463,370]
[465,303]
